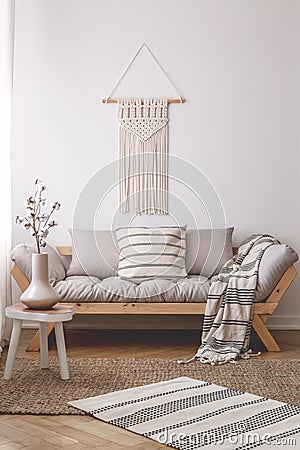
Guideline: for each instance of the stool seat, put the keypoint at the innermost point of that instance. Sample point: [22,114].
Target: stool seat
[57,315]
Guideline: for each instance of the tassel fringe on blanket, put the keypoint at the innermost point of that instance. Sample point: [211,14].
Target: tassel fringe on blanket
[229,309]
[143,145]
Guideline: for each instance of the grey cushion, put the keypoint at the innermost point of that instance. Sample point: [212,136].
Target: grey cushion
[94,253]
[208,250]
[275,261]
[114,289]
[21,255]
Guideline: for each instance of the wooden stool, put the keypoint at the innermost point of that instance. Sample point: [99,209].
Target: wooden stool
[57,315]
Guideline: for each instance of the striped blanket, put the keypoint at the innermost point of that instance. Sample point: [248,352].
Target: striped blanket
[229,309]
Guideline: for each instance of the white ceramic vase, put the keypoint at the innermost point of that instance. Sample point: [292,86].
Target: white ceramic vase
[40,294]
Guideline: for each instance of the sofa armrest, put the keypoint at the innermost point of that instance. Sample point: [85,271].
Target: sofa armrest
[21,255]
[274,263]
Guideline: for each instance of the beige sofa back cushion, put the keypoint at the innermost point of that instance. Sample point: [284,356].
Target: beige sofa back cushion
[207,250]
[96,253]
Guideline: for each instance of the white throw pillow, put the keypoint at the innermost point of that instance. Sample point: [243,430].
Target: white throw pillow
[146,253]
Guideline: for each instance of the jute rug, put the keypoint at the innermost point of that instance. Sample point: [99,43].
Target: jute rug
[189,414]
[36,391]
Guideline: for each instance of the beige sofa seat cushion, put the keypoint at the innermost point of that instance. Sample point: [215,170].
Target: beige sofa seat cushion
[84,289]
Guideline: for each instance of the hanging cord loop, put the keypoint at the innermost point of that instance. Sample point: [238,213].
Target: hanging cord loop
[144,45]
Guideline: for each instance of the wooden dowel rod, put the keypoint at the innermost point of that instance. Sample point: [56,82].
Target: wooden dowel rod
[172,100]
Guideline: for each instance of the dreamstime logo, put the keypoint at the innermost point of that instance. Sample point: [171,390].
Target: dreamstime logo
[242,438]
[192,201]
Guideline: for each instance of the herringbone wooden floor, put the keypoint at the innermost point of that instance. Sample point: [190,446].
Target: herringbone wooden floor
[83,432]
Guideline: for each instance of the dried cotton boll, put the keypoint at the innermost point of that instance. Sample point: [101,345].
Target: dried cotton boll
[36,221]
[55,205]
[43,233]
[42,217]
[52,224]
[29,201]
[40,187]
[42,243]
[19,219]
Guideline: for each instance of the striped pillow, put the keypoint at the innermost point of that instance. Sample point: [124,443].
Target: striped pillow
[147,253]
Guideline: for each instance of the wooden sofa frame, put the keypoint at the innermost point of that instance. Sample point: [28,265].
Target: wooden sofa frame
[262,311]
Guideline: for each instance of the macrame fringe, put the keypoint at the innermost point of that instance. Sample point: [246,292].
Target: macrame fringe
[143,144]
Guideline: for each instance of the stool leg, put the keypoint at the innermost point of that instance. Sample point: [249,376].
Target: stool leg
[61,350]
[44,345]
[12,350]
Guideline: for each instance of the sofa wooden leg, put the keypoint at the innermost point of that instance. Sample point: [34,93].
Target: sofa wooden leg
[34,345]
[264,334]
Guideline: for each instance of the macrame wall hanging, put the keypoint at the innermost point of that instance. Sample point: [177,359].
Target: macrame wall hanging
[143,150]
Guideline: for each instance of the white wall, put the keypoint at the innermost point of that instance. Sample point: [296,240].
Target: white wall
[237,64]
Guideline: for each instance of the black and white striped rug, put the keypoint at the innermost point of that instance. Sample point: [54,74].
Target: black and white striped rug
[189,414]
